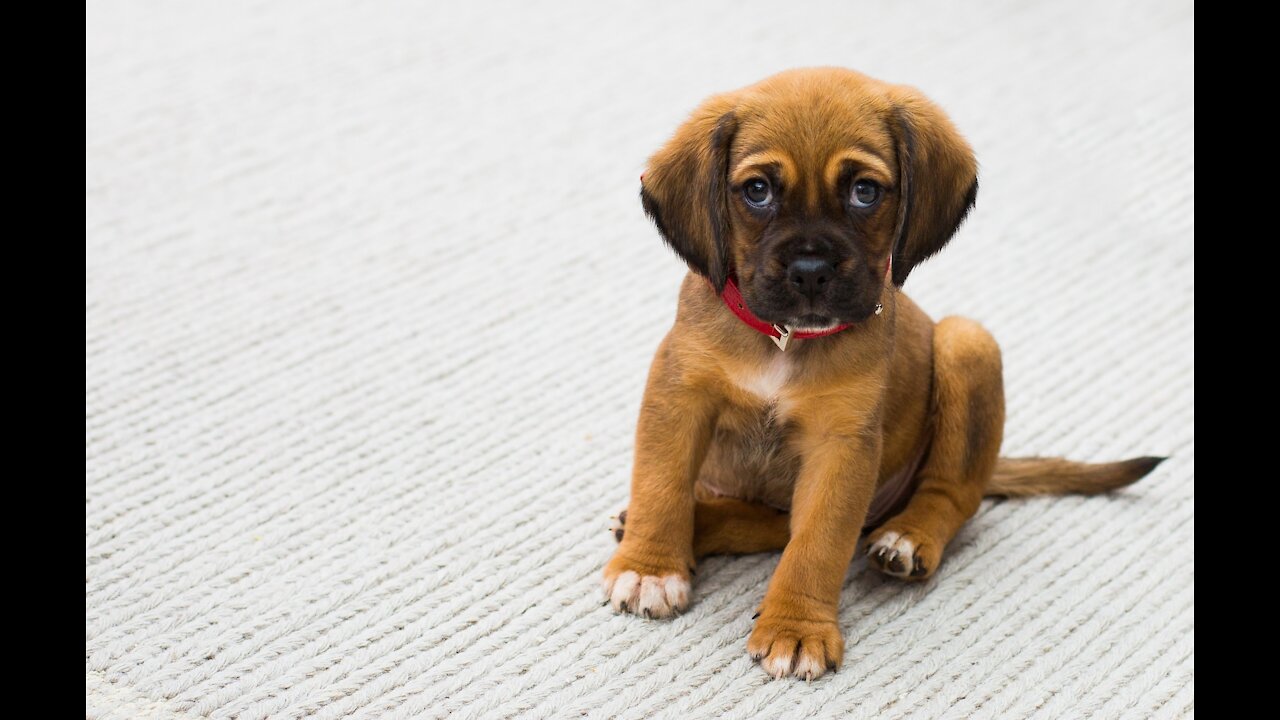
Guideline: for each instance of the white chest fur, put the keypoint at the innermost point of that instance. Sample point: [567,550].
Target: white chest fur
[766,381]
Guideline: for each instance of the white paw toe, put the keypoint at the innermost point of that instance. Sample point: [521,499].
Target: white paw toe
[777,664]
[808,668]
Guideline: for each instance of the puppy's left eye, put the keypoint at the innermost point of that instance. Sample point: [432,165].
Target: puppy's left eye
[758,192]
[865,194]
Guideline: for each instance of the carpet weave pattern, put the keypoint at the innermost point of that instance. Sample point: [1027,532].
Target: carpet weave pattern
[370,300]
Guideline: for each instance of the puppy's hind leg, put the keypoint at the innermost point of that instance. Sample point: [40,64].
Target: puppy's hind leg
[728,526]
[968,428]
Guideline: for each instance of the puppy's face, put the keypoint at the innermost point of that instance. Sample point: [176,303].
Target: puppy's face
[812,202]
[804,185]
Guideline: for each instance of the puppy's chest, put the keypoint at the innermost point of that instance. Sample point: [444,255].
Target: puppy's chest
[765,385]
[754,434]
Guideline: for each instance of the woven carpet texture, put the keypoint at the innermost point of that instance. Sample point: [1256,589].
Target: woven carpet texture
[369,304]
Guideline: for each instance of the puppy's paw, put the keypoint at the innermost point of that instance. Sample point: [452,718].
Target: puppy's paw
[902,554]
[618,525]
[644,589]
[805,649]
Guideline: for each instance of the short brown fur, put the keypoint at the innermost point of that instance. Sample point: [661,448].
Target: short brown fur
[743,448]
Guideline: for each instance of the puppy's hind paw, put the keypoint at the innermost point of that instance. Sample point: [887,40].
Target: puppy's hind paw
[902,554]
[618,525]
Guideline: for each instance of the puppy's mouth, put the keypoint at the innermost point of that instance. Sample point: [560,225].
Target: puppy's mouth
[774,300]
[812,322]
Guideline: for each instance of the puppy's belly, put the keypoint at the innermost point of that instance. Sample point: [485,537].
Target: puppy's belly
[751,458]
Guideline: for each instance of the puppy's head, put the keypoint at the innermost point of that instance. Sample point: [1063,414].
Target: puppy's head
[805,185]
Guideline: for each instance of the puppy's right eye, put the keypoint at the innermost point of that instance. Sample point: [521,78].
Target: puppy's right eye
[757,192]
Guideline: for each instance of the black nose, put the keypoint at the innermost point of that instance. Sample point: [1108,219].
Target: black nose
[809,275]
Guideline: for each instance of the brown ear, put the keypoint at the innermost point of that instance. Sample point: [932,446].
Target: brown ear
[684,189]
[938,180]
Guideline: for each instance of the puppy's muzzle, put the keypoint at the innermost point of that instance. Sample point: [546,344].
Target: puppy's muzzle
[810,275]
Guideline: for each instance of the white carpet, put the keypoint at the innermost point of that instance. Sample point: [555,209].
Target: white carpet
[370,299]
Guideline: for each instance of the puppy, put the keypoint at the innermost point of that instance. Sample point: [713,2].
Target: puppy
[801,397]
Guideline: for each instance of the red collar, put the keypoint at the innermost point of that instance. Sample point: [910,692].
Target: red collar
[781,334]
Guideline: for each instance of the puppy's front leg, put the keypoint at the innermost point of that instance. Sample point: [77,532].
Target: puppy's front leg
[798,631]
[649,573]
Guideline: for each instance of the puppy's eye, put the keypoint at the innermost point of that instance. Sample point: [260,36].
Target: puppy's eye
[757,192]
[865,194]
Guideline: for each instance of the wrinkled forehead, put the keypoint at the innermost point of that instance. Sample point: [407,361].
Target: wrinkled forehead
[806,138]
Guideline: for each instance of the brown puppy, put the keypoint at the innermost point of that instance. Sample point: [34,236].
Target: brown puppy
[814,192]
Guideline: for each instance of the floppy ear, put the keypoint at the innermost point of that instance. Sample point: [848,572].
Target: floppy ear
[938,180]
[684,189]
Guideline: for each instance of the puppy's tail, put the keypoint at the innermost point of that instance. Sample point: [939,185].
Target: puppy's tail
[1021,477]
